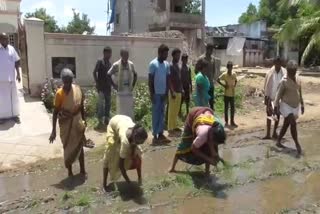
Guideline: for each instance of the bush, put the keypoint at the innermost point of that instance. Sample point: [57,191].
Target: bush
[142,105]
[90,102]
[48,92]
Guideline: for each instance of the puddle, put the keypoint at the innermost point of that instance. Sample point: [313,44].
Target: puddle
[268,191]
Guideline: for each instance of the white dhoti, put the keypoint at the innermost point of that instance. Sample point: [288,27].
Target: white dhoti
[9,101]
[286,110]
[125,104]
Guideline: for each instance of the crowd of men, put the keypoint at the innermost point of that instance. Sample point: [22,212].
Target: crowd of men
[170,84]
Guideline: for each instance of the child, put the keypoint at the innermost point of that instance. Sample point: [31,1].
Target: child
[186,82]
[288,102]
[230,83]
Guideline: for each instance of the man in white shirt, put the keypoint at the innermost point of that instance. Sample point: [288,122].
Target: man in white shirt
[272,81]
[9,73]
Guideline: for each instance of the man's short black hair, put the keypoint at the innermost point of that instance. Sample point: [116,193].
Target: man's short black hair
[163,48]
[175,51]
[184,56]
[107,49]
[229,63]
[210,46]
[277,59]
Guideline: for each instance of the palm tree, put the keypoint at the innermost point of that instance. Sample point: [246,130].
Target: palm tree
[306,25]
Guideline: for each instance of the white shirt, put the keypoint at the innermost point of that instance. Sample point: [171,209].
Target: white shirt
[8,58]
[277,77]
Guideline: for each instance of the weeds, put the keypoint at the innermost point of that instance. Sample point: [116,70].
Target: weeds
[83,201]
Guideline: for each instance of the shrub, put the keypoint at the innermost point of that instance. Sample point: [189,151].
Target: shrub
[142,105]
[90,102]
[48,92]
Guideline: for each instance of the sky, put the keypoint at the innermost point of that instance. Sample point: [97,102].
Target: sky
[218,12]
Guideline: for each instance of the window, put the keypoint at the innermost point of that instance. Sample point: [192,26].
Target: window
[130,15]
[117,18]
[59,63]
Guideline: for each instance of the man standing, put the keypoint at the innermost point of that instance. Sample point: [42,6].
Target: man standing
[175,92]
[230,82]
[9,63]
[272,81]
[103,85]
[126,77]
[186,82]
[210,70]
[159,70]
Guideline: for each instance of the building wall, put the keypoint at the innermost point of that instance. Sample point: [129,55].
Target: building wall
[142,13]
[224,58]
[9,12]
[86,49]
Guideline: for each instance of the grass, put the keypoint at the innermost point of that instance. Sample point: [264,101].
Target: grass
[83,201]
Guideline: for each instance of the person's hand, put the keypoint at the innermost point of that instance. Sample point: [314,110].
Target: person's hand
[116,87]
[173,95]
[213,161]
[52,137]
[302,109]
[18,78]
[152,98]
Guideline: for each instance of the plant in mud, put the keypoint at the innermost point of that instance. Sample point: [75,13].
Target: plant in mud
[83,201]
[48,91]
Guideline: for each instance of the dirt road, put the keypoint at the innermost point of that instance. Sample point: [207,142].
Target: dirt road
[259,178]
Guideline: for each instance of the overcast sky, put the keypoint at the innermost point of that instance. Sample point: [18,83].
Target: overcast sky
[218,12]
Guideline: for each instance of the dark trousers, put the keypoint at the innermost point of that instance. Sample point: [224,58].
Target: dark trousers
[229,101]
[211,94]
[104,105]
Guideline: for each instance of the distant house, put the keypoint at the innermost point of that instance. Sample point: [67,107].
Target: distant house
[253,38]
[9,16]
[135,17]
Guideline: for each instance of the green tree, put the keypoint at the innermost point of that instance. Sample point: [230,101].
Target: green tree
[78,24]
[193,7]
[50,24]
[305,26]
[251,15]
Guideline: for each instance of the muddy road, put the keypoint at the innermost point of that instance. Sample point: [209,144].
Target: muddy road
[259,178]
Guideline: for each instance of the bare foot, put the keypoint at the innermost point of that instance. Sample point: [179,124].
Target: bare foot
[70,174]
[275,136]
[266,138]
[172,171]
[280,145]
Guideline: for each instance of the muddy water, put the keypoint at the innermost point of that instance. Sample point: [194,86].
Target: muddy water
[250,159]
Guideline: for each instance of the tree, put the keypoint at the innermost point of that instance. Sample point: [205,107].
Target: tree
[305,26]
[193,7]
[251,15]
[78,25]
[50,24]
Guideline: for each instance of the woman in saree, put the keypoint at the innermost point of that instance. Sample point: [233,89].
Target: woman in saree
[69,110]
[202,134]
[122,149]
[202,96]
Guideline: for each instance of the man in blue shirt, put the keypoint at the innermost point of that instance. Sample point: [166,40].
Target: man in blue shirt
[159,70]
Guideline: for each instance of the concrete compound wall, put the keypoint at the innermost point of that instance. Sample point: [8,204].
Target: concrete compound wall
[86,50]
[222,55]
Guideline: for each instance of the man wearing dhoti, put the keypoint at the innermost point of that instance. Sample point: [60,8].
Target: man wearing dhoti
[10,63]
[126,78]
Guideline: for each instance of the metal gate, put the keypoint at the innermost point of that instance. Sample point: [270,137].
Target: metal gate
[24,56]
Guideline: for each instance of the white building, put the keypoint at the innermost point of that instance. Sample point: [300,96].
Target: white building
[9,16]
[139,16]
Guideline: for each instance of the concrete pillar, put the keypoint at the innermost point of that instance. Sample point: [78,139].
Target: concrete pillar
[203,30]
[168,11]
[36,54]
